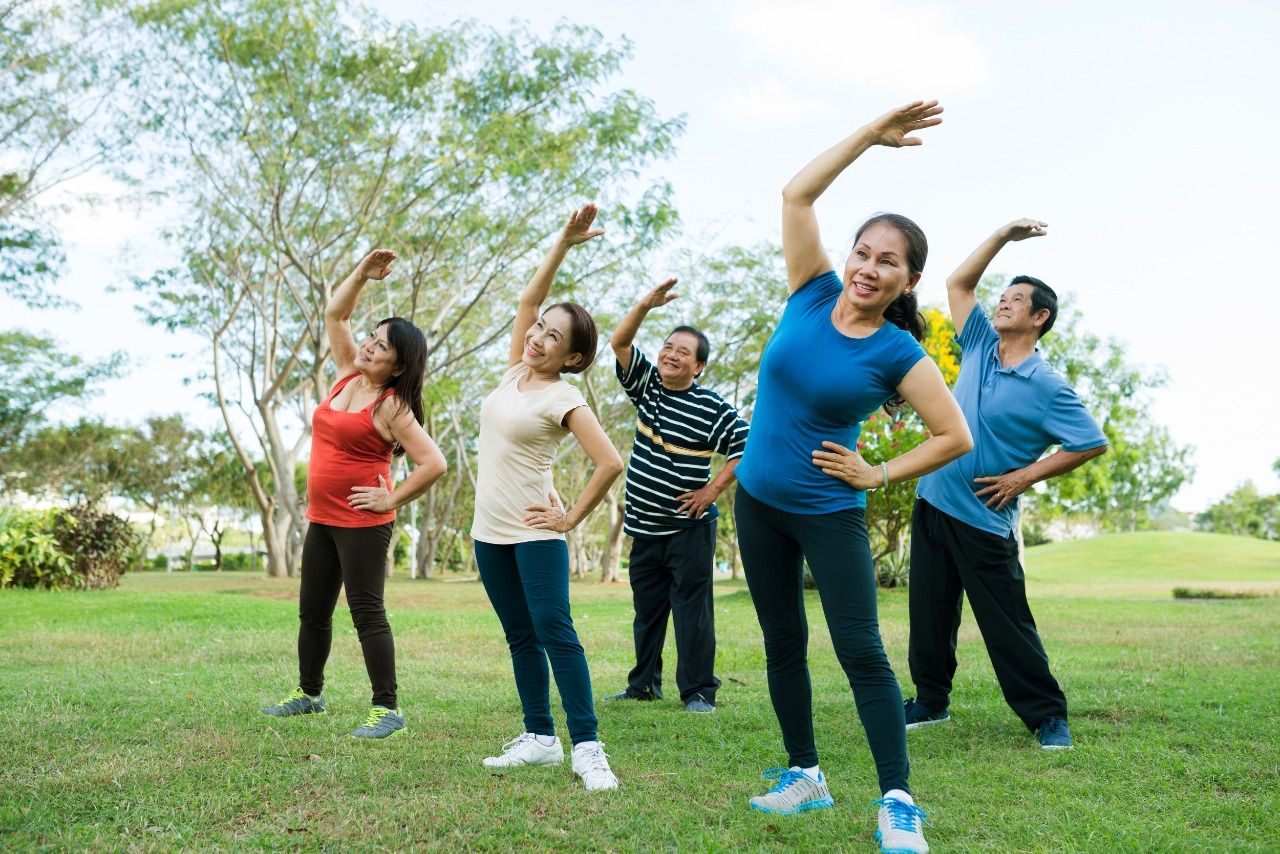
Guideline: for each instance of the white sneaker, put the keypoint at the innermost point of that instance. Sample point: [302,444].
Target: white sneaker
[592,765]
[525,749]
[901,829]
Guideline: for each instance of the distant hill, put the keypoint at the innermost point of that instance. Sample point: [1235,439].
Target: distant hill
[1152,564]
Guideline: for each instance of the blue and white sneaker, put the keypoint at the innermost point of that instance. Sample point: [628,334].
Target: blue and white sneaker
[1054,735]
[793,792]
[901,824]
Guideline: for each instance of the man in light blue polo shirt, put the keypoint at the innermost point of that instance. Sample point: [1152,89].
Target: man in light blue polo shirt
[966,513]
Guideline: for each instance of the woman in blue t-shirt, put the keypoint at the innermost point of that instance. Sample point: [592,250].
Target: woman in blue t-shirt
[832,361]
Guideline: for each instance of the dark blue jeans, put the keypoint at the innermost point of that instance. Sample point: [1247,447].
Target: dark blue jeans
[528,584]
[775,545]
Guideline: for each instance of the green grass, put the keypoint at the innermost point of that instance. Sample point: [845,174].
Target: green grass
[130,721]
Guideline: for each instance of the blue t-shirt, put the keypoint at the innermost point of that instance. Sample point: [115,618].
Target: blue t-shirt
[817,384]
[1015,414]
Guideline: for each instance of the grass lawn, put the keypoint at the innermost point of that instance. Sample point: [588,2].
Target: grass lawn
[130,720]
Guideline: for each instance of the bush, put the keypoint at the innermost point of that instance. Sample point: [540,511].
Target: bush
[240,562]
[76,548]
[101,545]
[29,551]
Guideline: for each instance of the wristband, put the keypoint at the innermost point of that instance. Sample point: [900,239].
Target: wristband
[884,467]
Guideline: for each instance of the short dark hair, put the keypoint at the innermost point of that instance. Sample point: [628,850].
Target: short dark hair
[704,346]
[583,337]
[1042,296]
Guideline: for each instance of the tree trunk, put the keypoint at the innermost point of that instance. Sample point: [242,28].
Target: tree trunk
[613,549]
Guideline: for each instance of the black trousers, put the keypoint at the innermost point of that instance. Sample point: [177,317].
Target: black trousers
[672,576]
[775,546]
[356,558]
[950,559]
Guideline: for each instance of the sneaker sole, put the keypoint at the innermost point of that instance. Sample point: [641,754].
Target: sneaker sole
[884,850]
[486,764]
[391,734]
[1057,747]
[919,724]
[296,714]
[807,806]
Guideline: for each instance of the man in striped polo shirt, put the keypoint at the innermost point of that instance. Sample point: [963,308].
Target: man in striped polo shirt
[671,510]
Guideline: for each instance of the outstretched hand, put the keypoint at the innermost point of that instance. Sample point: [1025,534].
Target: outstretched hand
[377,264]
[1021,229]
[660,296]
[549,516]
[375,499]
[578,229]
[892,128]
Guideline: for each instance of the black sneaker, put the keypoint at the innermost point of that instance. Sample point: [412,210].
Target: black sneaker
[919,715]
[632,694]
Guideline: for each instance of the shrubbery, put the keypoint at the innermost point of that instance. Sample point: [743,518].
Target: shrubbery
[78,548]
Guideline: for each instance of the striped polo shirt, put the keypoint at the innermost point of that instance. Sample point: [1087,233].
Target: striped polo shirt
[676,434]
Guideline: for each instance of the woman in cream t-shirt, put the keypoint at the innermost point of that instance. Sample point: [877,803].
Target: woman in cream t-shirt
[520,521]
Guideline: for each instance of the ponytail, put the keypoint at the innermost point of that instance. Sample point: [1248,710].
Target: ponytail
[904,313]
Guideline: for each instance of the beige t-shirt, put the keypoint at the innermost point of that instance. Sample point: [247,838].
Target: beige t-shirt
[519,434]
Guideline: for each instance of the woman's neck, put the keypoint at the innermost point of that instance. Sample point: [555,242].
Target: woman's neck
[851,318]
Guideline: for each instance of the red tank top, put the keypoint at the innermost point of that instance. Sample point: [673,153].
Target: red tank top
[346,451]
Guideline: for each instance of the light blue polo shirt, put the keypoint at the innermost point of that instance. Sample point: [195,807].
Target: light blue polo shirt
[817,384]
[1015,414]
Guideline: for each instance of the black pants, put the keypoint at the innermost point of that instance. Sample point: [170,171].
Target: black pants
[357,559]
[672,576]
[948,559]
[775,545]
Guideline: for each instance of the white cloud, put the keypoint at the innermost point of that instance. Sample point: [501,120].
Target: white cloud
[768,101]
[868,44]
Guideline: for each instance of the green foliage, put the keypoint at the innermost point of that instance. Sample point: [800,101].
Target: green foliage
[35,373]
[75,548]
[29,551]
[1244,512]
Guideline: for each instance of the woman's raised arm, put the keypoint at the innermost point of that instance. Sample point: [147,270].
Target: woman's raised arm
[801,242]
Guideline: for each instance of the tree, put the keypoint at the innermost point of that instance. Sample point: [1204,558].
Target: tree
[306,132]
[1244,512]
[60,67]
[35,373]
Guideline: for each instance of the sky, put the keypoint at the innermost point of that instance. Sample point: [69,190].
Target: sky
[1143,133]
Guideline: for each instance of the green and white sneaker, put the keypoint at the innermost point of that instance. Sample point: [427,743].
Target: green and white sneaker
[381,723]
[297,703]
[793,792]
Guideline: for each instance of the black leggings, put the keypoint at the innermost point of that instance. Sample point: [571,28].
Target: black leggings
[356,558]
[775,545]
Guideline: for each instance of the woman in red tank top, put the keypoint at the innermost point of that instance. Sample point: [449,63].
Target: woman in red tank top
[372,413]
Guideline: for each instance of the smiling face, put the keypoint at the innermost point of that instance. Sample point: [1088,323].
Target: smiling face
[376,359]
[1015,313]
[548,343]
[678,363]
[877,270]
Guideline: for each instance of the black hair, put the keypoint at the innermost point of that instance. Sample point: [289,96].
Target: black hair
[904,312]
[411,365]
[1042,297]
[583,337]
[704,346]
